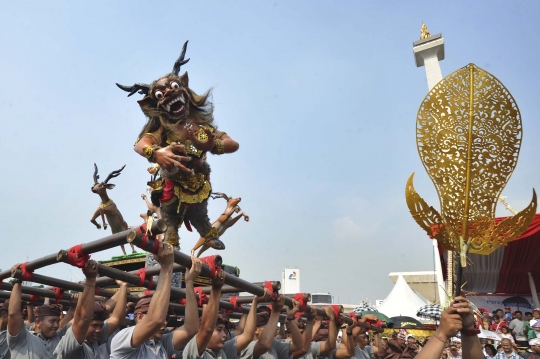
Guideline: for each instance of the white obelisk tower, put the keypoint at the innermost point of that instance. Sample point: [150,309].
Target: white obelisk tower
[428,51]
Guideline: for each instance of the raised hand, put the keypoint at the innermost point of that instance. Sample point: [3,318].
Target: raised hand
[330,312]
[278,304]
[165,255]
[195,270]
[218,280]
[462,307]
[311,312]
[450,324]
[267,295]
[90,269]
[295,309]
[73,301]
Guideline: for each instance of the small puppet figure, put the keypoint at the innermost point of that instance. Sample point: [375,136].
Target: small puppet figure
[107,208]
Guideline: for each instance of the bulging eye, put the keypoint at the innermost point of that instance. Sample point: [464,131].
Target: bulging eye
[175,85]
[158,94]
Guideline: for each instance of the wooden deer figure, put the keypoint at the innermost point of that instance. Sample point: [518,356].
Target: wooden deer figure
[107,208]
[224,221]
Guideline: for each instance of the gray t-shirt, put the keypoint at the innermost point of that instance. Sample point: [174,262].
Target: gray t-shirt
[278,350]
[69,347]
[121,347]
[363,353]
[313,352]
[105,348]
[31,345]
[517,325]
[4,350]
[191,351]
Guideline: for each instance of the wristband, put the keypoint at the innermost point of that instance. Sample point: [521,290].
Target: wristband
[290,319]
[349,333]
[16,281]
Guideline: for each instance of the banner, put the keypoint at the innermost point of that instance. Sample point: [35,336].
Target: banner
[494,302]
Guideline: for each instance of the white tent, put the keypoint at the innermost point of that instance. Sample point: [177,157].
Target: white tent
[402,300]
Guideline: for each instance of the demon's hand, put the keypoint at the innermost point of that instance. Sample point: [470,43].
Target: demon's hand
[172,157]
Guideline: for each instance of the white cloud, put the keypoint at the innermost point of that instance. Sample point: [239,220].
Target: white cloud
[345,227]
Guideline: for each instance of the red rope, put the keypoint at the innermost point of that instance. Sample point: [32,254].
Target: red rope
[141,273]
[211,263]
[27,275]
[98,290]
[34,298]
[59,294]
[268,285]
[203,298]
[302,300]
[76,257]
[147,293]
[237,307]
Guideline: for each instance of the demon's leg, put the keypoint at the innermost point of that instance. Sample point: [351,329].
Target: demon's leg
[173,219]
[198,217]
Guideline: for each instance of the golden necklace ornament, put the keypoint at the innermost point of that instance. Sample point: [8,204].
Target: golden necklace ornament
[468,135]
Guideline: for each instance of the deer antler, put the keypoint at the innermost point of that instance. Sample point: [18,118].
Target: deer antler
[114,174]
[138,87]
[96,176]
[180,61]
[215,195]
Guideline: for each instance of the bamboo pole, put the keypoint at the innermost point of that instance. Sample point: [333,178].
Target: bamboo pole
[64,284]
[150,271]
[185,260]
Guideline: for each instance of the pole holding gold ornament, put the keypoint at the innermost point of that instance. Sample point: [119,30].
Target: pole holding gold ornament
[468,134]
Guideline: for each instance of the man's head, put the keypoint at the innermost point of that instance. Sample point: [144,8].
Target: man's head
[362,340]
[401,338]
[141,310]
[411,339]
[507,309]
[454,350]
[518,315]
[506,345]
[96,325]
[496,318]
[47,320]
[219,336]
[528,316]
[457,342]
[535,345]
[263,315]
[536,313]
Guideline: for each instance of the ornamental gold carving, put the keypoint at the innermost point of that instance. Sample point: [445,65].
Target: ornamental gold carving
[468,135]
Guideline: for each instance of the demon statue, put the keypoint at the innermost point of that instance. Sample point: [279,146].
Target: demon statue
[177,136]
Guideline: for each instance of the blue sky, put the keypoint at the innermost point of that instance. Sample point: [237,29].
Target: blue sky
[321,96]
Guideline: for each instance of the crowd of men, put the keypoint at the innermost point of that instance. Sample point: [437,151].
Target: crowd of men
[91,329]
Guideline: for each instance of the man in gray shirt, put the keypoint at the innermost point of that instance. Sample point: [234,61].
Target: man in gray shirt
[211,340]
[4,350]
[32,345]
[266,346]
[517,326]
[147,339]
[90,326]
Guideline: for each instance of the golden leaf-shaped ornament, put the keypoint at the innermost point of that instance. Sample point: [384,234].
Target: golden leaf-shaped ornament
[468,134]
